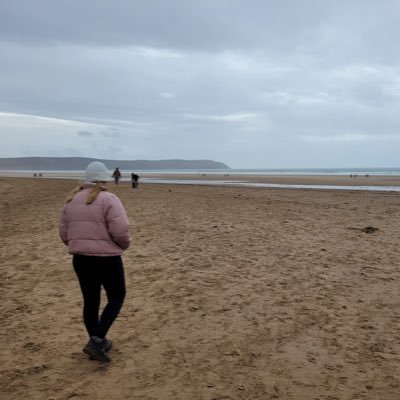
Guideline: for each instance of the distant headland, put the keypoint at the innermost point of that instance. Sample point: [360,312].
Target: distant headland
[80,163]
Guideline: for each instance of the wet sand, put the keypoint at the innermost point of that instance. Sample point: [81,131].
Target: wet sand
[332,180]
[233,293]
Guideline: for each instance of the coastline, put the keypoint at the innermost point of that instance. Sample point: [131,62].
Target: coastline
[227,178]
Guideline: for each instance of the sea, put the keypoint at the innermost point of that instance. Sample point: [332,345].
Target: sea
[281,171]
[78,174]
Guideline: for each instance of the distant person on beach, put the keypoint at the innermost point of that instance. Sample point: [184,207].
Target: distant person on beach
[116,175]
[135,180]
[95,227]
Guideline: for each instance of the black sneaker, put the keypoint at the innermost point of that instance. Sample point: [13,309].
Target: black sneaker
[107,345]
[95,349]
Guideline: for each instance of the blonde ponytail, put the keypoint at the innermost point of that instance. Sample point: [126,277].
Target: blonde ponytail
[72,193]
[95,192]
[96,189]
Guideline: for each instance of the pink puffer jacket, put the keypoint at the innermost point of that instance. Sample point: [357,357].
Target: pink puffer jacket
[97,229]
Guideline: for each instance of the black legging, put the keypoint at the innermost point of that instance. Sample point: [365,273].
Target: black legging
[94,272]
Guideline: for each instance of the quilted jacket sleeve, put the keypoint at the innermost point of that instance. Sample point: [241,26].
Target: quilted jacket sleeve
[62,228]
[118,223]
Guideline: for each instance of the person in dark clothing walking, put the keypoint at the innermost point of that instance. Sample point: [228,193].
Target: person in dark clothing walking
[116,175]
[135,180]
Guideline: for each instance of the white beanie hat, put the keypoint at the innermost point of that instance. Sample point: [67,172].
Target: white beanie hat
[96,171]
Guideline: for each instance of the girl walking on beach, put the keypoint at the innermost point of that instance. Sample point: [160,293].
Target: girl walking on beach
[95,227]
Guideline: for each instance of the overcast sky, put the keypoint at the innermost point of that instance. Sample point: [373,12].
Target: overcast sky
[252,83]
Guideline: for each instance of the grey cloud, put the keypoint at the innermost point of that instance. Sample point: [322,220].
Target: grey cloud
[110,132]
[242,82]
[308,27]
[156,23]
[85,133]
[374,95]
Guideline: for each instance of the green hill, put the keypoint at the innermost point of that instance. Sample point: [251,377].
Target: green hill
[80,163]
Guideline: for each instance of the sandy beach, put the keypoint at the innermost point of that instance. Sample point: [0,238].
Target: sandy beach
[232,294]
